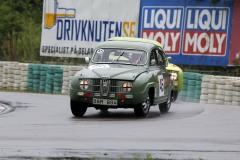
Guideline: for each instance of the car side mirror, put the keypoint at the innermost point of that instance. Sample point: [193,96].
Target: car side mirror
[87,59]
[168,59]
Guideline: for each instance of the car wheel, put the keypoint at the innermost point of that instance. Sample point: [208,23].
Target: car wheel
[164,107]
[142,110]
[104,109]
[78,108]
[174,96]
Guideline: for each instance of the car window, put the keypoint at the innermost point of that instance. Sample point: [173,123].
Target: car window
[161,57]
[154,58]
[125,56]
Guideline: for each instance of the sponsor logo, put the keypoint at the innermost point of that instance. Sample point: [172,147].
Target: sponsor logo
[163,24]
[70,31]
[206,31]
[70,28]
[190,30]
[52,12]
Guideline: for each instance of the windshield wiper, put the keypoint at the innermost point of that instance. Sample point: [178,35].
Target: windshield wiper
[138,60]
[118,57]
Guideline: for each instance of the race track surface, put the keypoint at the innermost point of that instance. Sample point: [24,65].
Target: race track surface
[42,126]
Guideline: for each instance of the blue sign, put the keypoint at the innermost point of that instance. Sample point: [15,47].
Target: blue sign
[192,32]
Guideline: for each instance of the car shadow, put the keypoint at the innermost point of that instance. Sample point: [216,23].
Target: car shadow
[118,115]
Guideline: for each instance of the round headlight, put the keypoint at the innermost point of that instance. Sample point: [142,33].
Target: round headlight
[84,84]
[174,76]
[127,87]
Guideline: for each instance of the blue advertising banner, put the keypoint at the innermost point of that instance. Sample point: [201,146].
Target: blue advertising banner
[192,32]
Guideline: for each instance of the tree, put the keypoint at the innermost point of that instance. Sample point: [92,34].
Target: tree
[15,19]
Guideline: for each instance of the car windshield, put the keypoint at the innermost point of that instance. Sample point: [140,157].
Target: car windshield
[121,56]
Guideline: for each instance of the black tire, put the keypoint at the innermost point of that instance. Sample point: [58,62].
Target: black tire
[78,108]
[142,110]
[164,107]
[174,96]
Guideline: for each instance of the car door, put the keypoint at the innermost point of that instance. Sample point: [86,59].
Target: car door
[154,68]
[165,75]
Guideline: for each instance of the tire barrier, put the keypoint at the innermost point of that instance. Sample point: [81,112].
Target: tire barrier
[66,81]
[44,78]
[55,79]
[35,77]
[191,87]
[204,88]
[182,95]
[31,77]
[220,90]
[5,75]
[236,92]
[24,77]
[10,75]
[68,73]
[209,89]
[17,77]
[1,75]
[50,78]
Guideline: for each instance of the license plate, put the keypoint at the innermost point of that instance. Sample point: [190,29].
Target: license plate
[107,102]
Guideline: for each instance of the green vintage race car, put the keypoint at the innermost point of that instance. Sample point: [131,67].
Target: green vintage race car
[123,73]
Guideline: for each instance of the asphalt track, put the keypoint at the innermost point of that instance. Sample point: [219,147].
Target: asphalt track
[41,126]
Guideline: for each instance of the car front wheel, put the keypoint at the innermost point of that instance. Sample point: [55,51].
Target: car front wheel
[142,110]
[78,108]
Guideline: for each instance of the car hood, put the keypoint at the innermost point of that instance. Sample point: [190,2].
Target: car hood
[114,71]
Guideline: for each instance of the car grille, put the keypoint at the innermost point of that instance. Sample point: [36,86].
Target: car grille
[106,86]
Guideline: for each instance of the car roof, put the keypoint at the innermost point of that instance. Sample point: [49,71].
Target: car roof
[130,43]
[132,39]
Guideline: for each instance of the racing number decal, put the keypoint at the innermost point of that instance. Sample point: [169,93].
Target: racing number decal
[161,85]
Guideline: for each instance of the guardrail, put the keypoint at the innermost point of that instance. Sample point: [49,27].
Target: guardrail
[55,79]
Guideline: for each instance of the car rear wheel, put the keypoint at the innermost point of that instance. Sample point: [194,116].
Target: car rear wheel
[174,96]
[164,107]
[142,110]
[78,108]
